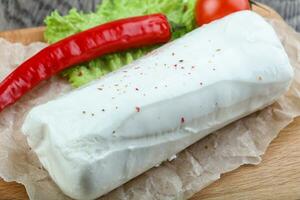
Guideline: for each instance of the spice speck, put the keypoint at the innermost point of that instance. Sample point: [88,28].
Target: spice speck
[138,109]
[182,120]
[181,61]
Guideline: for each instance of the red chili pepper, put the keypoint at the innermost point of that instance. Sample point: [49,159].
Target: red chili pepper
[104,39]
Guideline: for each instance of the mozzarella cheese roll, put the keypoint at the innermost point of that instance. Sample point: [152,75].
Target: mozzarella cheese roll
[100,136]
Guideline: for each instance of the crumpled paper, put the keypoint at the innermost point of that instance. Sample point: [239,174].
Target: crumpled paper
[242,142]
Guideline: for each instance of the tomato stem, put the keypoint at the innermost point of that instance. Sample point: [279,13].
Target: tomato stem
[256,4]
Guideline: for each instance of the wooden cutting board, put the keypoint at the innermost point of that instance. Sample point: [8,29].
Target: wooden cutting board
[276,178]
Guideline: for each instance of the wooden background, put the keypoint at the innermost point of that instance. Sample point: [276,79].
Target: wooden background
[30,13]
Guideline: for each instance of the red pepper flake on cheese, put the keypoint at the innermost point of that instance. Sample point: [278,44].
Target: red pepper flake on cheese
[138,109]
[182,120]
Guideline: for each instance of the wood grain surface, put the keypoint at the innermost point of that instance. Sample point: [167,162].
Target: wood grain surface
[15,14]
[276,178]
[24,36]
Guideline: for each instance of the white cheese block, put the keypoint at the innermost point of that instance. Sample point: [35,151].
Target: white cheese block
[98,137]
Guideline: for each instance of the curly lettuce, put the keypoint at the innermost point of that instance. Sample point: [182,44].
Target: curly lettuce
[179,12]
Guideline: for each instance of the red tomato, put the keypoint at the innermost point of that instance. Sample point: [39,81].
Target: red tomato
[210,10]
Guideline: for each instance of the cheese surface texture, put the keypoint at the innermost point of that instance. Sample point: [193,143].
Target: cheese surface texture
[98,137]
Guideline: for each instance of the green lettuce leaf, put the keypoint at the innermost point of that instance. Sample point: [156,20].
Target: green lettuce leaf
[179,12]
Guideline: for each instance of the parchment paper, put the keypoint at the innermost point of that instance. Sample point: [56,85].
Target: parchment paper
[242,142]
